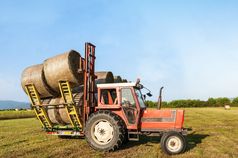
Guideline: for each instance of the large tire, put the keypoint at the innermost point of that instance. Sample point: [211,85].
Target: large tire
[173,143]
[104,131]
[125,132]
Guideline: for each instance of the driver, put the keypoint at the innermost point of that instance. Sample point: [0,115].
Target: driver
[125,102]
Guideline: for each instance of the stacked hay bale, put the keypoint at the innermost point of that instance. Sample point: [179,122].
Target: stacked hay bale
[57,114]
[35,74]
[124,80]
[63,67]
[45,78]
[117,79]
[104,77]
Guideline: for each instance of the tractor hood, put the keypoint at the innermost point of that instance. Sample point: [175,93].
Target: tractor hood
[156,120]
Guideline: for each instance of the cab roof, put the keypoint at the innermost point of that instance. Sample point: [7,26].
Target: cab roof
[114,85]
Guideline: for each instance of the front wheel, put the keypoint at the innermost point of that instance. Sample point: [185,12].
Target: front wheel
[104,131]
[173,143]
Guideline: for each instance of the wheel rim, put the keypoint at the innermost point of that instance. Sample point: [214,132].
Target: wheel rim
[174,144]
[102,132]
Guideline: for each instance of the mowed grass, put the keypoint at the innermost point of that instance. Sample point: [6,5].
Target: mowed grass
[215,134]
[4,115]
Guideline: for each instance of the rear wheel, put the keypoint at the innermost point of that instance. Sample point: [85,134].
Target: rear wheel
[104,131]
[173,143]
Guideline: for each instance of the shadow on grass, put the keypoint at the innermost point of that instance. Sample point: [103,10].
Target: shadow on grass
[194,139]
[70,137]
[143,140]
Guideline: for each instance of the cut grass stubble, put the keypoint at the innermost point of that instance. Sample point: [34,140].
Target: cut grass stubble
[215,134]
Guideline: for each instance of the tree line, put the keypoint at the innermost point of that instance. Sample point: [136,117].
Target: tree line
[211,102]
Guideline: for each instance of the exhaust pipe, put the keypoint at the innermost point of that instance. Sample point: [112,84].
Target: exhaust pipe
[160,99]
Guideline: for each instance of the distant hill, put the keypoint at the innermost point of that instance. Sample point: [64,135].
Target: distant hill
[9,104]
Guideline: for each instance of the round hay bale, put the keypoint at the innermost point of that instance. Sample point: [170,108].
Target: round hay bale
[58,114]
[63,67]
[53,111]
[227,107]
[117,79]
[78,89]
[124,80]
[35,75]
[104,77]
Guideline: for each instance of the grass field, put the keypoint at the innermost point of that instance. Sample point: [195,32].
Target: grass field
[215,134]
[4,115]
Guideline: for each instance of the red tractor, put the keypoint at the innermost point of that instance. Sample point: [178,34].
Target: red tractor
[113,114]
[121,115]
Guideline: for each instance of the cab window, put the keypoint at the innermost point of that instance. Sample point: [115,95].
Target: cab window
[128,105]
[108,97]
[127,97]
[140,98]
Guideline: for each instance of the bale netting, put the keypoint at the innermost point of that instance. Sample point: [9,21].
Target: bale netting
[57,112]
[104,77]
[63,67]
[35,75]
[117,79]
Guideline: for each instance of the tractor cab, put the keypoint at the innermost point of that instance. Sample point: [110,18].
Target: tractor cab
[124,99]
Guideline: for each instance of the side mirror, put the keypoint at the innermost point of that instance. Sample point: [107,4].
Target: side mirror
[149,94]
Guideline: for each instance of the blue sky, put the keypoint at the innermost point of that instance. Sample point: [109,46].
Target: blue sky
[190,47]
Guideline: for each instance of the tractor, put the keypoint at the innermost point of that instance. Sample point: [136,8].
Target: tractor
[112,113]
[122,115]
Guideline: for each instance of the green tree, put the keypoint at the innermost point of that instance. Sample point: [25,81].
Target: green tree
[164,104]
[211,102]
[150,104]
[223,101]
[235,101]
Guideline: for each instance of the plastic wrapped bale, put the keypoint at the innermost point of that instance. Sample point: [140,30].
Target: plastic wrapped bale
[117,79]
[35,75]
[63,67]
[104,77]
[57,112]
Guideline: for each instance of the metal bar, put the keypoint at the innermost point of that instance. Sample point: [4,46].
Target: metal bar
[89,80]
